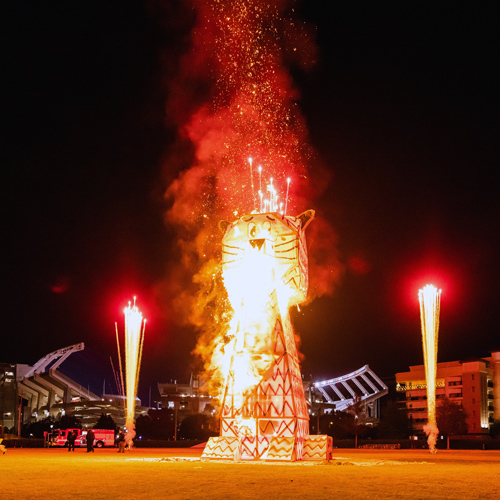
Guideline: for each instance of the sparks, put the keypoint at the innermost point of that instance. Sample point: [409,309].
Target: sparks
[134,341]
[430,301]
[271,203]
[287,189]
[250,162]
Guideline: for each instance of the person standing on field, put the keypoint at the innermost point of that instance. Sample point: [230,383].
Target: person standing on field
[121,442]
[71,441]
[90,441]
[2,434]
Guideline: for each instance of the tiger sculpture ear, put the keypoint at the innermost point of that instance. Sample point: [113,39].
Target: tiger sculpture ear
[223,225]
[305,218]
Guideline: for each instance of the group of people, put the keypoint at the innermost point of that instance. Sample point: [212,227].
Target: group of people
[71,438]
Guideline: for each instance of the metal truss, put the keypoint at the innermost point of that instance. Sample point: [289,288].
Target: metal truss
[342,391]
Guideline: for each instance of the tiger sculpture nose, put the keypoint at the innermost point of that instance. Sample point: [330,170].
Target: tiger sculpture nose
[257,243]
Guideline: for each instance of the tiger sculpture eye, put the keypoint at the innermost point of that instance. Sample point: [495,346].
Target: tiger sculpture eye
[285,241]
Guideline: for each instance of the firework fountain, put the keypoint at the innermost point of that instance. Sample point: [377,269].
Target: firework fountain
[134,340]
[430,300]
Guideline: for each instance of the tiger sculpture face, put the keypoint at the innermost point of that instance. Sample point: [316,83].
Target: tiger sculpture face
[281,238]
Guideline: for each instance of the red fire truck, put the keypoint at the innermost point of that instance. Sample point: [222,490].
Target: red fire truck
[59,437]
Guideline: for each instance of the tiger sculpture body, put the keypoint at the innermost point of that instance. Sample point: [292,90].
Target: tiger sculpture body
[265,270]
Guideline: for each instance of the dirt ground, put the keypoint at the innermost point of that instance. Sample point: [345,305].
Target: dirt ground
[179,474]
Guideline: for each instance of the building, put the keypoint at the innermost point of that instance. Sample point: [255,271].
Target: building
[340,393]
[31,393]
[8,395]
[88,411]
[473,384]
[186,399]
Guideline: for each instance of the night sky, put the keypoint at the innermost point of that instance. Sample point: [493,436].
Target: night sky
[402,109]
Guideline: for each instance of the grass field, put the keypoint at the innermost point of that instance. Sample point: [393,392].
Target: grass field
[179,474]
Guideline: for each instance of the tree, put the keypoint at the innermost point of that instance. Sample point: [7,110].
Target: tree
[106,422]
[394,423]
[495,429]
[199,426]
[357,423]
[157,424]
[36,429]
[451,419]
[144,426]
[68,422]
[334,424]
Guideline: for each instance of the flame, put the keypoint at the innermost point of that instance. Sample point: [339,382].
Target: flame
[253,279]
[248,286]
[247,427]
[234,104]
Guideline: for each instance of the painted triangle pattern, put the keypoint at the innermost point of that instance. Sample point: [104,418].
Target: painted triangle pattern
[277,404]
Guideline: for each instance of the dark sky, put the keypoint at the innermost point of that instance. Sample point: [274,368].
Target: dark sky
[402,107]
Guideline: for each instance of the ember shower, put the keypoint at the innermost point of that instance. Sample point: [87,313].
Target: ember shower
[233,99]
[248,106]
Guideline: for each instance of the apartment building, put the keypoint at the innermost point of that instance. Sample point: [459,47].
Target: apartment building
[473,384]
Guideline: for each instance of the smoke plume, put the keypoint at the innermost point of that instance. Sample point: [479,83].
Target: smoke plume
[233,98]
[432,432]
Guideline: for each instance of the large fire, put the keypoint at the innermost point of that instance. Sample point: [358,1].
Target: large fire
[233,97]
[264,259]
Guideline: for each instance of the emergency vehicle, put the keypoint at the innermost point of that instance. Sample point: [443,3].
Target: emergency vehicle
[59,437]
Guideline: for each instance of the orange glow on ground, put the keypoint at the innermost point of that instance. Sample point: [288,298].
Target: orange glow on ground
[154,474]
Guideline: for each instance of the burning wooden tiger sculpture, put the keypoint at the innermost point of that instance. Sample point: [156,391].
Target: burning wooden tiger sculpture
[265,268]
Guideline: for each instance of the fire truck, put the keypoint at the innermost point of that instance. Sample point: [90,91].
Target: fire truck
[59,437]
